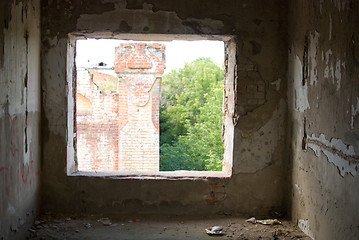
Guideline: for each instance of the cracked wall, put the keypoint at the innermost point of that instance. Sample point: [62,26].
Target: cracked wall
[19,116]
[260,150]
[323,98]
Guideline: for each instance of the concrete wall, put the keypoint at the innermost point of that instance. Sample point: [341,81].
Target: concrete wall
[259,182]
[19,116]
[324,103]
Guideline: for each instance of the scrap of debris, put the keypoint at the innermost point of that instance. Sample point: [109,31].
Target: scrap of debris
[215,230]
[264,222]
[105,221]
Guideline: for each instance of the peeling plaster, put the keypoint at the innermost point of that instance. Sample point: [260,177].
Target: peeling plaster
[301,102]
[137,20]
[276,83]
[312,56]
[338,74]
[304,225]
[341,155]
[330,72]
[355,110]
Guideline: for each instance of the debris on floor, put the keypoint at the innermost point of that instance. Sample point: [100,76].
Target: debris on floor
[216,230]
[105,221]
[87,225]
[264,222]
[160,228]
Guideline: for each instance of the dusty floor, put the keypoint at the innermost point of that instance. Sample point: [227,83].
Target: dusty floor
[158,228]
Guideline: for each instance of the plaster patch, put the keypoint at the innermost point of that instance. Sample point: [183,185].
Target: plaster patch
[329,69]
[301,102]
[355,110]
[277,84]
[341,155]
[338,74]
[304,225]
[267,138]
[312,57]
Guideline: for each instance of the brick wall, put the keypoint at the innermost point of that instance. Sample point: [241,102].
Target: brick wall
[97,123]
[140,65]
[117,112]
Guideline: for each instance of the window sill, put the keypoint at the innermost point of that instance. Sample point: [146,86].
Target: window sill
[163,175]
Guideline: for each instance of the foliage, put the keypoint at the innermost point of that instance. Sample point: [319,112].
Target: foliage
[191,117]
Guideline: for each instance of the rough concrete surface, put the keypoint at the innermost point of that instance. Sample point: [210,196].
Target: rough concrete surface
[152,227]
[19,116]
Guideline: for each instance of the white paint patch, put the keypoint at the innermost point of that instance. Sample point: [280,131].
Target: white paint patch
[329,69]
[300,93]
[338,74]
[312,57]
[335,150]
[277,84]
[329,72]
[10,209]
[355,110]
[303,224]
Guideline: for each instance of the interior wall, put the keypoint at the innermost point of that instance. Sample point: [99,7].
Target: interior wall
[19,116]
[324,105]
[259,182]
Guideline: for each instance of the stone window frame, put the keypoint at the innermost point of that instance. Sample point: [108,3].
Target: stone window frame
[229,105]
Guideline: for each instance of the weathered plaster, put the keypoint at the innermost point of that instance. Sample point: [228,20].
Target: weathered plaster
[299,91]
[268,138]
[324,139]
[341,155]
[314,38]
[19,116]
[354,111]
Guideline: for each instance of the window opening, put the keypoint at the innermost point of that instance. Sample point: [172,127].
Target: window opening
[140,109]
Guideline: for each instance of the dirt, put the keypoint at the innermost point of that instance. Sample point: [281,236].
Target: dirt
[154,227]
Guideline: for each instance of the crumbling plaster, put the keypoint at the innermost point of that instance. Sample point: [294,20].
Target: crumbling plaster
[322,93]
[257,186]
[19,116]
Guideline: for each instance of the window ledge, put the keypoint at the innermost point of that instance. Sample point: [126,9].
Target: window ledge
[163,175]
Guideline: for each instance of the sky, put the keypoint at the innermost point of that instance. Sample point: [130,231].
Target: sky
[90,52]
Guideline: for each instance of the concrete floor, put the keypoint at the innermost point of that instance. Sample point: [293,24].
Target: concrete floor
[152,227]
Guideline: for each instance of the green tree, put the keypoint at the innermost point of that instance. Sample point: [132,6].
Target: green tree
[190,117]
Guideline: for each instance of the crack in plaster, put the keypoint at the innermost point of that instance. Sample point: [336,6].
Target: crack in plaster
[341,155]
